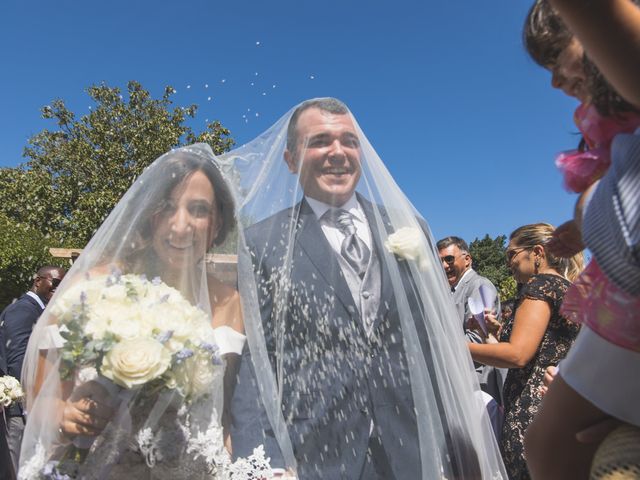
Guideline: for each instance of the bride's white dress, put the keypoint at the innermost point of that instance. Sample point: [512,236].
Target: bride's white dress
[168,440]
[176,448]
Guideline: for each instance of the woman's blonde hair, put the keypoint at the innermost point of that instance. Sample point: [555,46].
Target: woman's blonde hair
[539,234]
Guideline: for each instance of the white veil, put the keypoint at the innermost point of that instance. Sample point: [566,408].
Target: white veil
[399,396]
[135,314]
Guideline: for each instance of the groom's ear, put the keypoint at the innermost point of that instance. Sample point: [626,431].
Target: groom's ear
[291,160]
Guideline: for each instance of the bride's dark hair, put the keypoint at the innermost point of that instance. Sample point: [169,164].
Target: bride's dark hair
[169,173]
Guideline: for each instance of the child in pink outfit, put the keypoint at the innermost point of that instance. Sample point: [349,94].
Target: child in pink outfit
[594,300]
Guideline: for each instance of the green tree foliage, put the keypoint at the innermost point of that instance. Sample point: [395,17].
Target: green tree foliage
[489,260]
[23,251]
[77,171]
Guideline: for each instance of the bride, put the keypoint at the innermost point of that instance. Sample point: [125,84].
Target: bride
[125,369]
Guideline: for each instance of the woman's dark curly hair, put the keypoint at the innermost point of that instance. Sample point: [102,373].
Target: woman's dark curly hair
[180,167]
[603,96]
[545,36]
[171,171]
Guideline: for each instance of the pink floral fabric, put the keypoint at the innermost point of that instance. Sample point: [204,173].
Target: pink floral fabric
[581,168]
[597,302]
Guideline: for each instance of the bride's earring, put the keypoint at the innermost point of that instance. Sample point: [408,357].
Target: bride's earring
[536,265]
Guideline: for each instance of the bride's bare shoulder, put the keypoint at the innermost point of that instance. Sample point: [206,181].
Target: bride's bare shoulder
[225,305]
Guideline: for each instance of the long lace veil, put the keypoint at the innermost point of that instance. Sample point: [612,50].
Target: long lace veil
[135,314]
[348,382]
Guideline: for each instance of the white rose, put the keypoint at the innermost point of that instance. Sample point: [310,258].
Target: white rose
[196,375]
[90,290]
[135,362]
[115,293]
[408,243]
[17,393]
[85,375]
[177,318]
[15,390]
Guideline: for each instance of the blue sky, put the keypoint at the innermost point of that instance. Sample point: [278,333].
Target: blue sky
[467,124]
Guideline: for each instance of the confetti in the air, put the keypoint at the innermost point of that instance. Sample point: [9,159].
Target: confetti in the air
[223,80]
[208,99]
[258,44]
[188,87]
[312,77]
[206,85]
[273,86]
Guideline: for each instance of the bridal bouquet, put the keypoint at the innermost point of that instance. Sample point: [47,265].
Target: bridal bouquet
[155,353]
[140,334]
[10,391]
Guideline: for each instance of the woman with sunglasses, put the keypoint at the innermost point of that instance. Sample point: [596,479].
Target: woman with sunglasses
[535,337]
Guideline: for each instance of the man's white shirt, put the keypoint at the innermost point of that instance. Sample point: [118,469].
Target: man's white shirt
[36,298]
[333,234]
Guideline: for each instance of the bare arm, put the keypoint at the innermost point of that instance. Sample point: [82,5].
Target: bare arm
[609,30]
[530,323]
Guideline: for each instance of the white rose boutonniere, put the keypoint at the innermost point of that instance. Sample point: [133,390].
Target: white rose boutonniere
[407,243]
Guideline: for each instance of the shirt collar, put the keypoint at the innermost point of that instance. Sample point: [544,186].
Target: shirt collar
[36,298]
[352,206]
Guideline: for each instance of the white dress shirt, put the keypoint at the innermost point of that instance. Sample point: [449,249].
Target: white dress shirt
[333,234]
[36,298]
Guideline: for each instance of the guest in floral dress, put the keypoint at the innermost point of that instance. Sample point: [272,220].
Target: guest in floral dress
[537,335]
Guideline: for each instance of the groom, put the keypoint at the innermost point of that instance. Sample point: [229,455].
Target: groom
[346,394]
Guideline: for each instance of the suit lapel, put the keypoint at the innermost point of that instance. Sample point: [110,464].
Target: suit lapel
[311,240]
[462,289]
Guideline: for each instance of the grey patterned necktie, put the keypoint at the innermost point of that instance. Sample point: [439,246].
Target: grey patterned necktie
[353,249]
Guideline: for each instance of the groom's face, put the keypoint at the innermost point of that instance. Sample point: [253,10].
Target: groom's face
[326,156]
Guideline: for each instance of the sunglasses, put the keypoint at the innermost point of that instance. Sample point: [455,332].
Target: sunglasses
[511,254]
[451,258]
[54,282]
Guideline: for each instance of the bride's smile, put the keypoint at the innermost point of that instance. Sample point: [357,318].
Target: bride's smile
[185,228]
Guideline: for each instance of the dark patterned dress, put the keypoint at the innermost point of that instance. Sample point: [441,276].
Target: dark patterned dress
[521,396]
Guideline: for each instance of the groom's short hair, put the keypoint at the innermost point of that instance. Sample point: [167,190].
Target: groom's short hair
[328,104]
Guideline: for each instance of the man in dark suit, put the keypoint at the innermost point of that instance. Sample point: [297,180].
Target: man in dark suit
[16,325]
[6,465]
[330,317]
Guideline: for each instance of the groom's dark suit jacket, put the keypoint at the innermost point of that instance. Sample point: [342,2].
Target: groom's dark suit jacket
[336,380]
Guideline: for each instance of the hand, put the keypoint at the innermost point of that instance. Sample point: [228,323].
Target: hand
[566,240]
[86,412]
[549,374]
[492,323]
[494,326]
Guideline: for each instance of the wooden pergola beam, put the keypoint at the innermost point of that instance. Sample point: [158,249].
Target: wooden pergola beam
[65,252]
